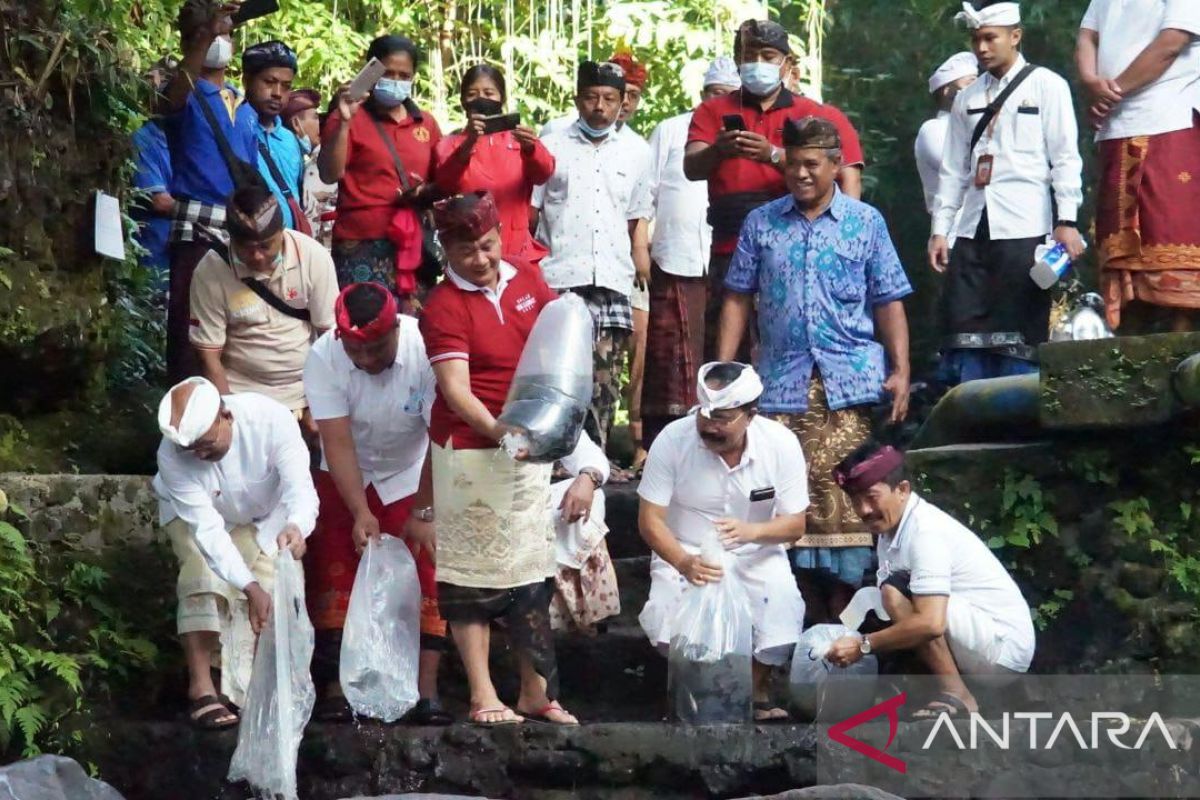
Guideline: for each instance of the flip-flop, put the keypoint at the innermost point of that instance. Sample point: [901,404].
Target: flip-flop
[477,714]
[206,712]
[946,703]
[767,706]
[543,714]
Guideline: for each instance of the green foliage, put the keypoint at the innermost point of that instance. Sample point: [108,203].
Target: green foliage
[63,645]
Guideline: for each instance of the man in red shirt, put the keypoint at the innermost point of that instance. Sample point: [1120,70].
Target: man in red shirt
[735,142]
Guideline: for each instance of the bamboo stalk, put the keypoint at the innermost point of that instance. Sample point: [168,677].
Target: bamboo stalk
[55,55]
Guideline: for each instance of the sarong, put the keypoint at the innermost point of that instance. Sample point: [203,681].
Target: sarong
[1146,222]
[828,436]
[374,261]
[585,585]
[182,361]
[674,350]
[332,562]
[718,267]
[612,330]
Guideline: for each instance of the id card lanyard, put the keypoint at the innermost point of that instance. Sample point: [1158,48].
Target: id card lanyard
[983,167]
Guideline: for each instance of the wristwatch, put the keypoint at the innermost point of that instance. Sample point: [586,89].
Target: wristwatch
[776,155]
[424,514]
[1066,223]
[864,646]
[594,475]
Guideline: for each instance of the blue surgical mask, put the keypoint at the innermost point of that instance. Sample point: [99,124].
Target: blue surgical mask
[276,263]
[759,78]
[390,92]
[595,133]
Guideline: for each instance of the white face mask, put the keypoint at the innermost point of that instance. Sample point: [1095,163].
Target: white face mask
[219,54]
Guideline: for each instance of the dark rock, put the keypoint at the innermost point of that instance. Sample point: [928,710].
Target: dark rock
[841,791]
[51,778]
[1140,580]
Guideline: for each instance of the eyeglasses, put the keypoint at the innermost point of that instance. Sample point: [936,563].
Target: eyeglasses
[722,422]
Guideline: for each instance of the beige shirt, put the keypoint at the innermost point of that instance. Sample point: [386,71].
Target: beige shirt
[264,350]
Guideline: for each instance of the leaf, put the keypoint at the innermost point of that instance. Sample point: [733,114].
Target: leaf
[30,720]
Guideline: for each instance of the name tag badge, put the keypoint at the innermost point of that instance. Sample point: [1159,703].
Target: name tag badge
[983,170]
[762,494]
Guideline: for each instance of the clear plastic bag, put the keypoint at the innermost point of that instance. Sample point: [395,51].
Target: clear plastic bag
[552,385]
[825,692]
[281,694]
[381,641]
[709,675]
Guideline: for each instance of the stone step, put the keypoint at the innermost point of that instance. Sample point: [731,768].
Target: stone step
[621,513]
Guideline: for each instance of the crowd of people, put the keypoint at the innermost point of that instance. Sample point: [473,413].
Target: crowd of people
[350,290]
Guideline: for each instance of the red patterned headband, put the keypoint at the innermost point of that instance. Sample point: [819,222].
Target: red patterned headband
[865,474]
[382,325]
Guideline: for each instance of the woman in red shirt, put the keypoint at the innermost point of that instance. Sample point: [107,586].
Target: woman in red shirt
[507,164]
[377,236]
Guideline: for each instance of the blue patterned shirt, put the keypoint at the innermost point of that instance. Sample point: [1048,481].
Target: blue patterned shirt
[818,283]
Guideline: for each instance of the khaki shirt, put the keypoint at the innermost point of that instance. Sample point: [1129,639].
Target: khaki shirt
[264,350]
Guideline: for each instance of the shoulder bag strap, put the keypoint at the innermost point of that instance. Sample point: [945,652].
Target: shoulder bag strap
[405,184]
[265,152]
[273,300]
[236,166]
[993,109]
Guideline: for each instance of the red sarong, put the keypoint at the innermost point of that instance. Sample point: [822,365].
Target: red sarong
[674,343]
[331,561]
[1146,223]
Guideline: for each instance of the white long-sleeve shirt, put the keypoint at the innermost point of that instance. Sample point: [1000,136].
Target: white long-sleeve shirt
[682,236]
[1036,151]
[263,480]
[928,150]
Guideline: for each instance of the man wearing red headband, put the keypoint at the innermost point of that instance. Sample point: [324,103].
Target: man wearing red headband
[950,600]
[370,389]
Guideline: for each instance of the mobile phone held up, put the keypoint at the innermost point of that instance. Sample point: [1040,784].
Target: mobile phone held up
[733,122]
[253,9]
[366,79]
[501,122]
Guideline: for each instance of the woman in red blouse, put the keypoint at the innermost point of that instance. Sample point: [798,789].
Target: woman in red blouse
[377,236]
[507,164]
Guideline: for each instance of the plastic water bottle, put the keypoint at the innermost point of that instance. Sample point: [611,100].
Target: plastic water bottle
[1051,262]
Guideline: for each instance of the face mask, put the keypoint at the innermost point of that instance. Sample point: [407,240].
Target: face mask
[390,92]
[759,78]
[595,133]
[276,263]
[484,106]
[220,53]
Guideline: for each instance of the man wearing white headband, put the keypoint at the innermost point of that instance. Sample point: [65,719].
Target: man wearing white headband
[730,477]
[234,487]
[1010,176]
[1140,63]
[955,74]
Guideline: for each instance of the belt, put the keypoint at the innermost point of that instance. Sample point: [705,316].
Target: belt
[1004,343]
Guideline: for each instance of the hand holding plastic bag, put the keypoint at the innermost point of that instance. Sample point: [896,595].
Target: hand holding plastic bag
[825,692]
[381,640]
[281,694]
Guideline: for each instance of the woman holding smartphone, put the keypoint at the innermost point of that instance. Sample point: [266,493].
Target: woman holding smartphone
[494,152]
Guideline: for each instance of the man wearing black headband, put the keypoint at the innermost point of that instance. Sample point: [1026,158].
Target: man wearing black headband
[834,340]
[269,69]
[950,600]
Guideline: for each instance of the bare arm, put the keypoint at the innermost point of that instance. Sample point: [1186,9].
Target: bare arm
[652,522]
[891,326]
[927,622]
[735,316]
[212,368]
[337,441]
[1155,60]
[850,181]
[163,204]
[783,529]
[454,379]
[639,238]
[194,51]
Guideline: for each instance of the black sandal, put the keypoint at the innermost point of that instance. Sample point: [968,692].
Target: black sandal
[943,703]
[209,713]
[428,712]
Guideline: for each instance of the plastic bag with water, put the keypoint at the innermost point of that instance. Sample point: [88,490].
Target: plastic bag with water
[281,694]
[381,640]
[825,692]
[709,676]
[552,385]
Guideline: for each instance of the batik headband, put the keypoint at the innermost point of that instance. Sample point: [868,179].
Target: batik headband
[865,474]
[383,324]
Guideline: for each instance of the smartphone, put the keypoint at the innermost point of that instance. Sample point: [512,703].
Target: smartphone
[366,79]
[733,122]
[501,122]
[253,9]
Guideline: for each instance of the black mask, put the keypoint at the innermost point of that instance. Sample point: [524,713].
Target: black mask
[484,106]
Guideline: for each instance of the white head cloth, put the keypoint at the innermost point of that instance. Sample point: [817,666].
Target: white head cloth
[959,65]
[723,72]
[745,389]
[198,415]
[995,14]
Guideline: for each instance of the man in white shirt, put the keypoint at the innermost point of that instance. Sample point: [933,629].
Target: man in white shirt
[679,252]
[1140,63]
[950,600]
[370,388]
[590,212]
[1004,174]
[731,476]
[234,486]
[955,74]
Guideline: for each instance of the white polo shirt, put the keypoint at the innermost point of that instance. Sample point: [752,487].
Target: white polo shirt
[698,487]
[389,412]
[1126,28]
[263,480]
[943,557]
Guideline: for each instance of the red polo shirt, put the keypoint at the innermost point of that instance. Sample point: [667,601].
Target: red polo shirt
[737,185]
[367,192]
[488,330]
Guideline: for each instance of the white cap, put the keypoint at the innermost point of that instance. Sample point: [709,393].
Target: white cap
[198,415]
[959,65]
[745,389]
[995,14]
[722,72]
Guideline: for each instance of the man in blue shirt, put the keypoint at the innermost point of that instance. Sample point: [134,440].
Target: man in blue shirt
[268,70]
[834,338]
[154,214]
[197,99]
